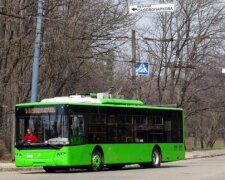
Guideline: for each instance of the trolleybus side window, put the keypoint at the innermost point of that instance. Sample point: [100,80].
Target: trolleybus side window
[96,128]
[77,129]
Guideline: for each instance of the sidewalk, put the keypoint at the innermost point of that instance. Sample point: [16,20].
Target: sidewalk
[189,155]
[12,167]
[204,154]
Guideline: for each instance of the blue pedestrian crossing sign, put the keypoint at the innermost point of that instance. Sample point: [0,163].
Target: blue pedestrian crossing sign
[142,69]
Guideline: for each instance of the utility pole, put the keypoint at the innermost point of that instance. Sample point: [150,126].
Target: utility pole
[37,45]
[133,63]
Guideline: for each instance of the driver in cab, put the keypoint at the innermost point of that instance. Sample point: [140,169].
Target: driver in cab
[30,137]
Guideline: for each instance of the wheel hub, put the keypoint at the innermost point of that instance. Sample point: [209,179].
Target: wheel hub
[96,160]
[155,158]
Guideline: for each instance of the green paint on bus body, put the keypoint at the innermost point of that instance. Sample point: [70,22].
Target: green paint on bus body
[122,102]
[81,155]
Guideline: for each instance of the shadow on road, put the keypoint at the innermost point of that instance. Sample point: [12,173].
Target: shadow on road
[73,170]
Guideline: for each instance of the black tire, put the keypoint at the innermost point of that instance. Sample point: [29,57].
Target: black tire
[97,161]
[156,158]
[115,166]
[49,169]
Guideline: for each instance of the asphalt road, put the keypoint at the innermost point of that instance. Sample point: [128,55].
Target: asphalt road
[194,169]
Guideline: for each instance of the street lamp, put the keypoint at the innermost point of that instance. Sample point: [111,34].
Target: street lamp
[34,88]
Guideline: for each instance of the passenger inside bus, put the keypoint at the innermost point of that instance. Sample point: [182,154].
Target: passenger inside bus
[30,137]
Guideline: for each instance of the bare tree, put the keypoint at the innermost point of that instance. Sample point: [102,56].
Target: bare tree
[184,48]
[75,34]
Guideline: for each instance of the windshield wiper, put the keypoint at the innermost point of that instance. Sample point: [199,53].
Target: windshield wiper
[39,145]
[55,146]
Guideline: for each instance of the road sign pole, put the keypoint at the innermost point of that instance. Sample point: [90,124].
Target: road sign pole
[134,79]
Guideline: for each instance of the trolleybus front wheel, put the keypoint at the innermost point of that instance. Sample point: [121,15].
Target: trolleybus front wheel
[96,161]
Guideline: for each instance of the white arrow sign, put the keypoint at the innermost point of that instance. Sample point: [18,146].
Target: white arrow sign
[151,8]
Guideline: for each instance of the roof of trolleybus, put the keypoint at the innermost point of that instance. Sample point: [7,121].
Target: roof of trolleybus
[123,103]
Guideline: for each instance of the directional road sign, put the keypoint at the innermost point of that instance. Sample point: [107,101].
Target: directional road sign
[151,8]
[142,69]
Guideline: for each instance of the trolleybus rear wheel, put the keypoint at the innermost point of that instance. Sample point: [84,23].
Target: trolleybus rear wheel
[156,158]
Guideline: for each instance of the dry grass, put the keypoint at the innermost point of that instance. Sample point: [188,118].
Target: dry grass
[189,142]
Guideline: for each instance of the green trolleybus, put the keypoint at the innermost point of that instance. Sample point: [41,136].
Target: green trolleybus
[96,132]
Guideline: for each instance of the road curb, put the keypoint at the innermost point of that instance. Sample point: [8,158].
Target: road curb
[20,169]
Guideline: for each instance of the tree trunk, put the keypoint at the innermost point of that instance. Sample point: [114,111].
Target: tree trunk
[195,139]
[202,142]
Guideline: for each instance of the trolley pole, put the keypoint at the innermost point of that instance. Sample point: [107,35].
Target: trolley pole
[34,89]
